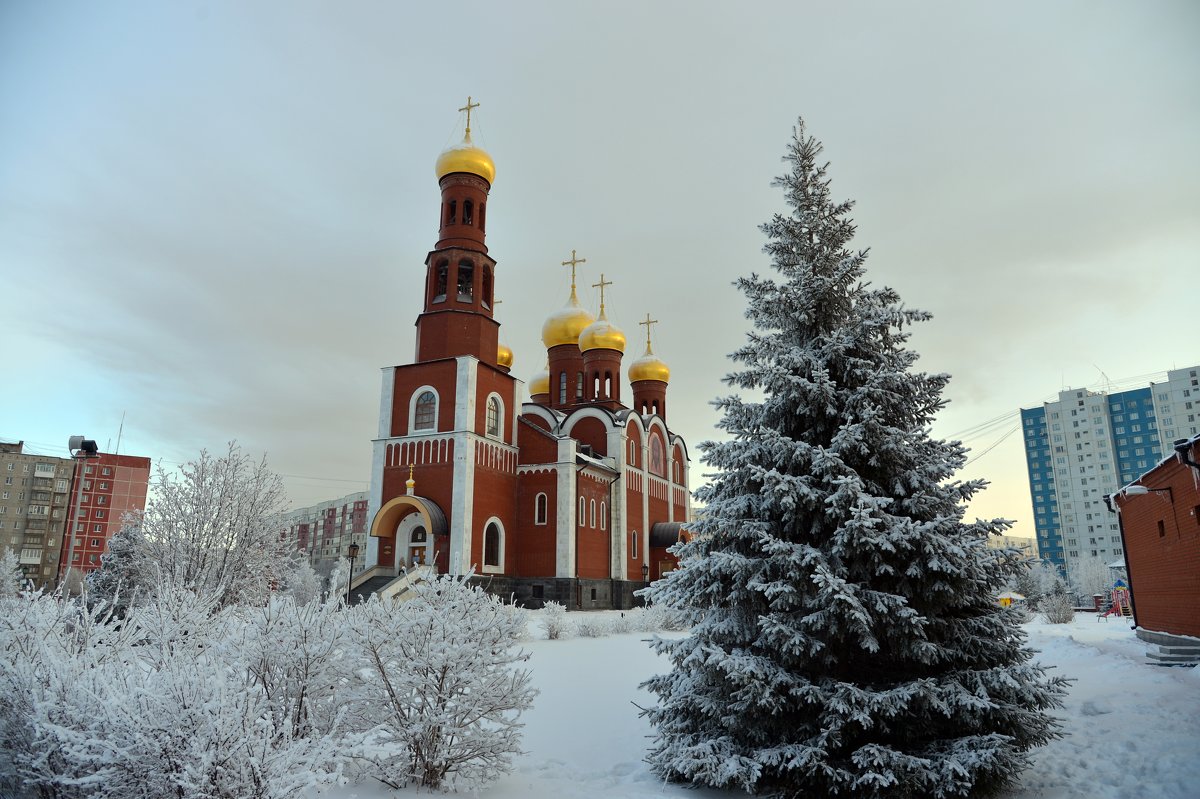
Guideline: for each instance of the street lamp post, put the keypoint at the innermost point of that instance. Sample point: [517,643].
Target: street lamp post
[82,449]
[351,554]
[645,572]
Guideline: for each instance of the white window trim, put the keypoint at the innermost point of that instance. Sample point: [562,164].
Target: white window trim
[582,512]
[592,524]
[545,509]
[412,410]
[484,567]
[603,516]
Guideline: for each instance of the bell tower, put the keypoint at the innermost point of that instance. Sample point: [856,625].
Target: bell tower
[459,274]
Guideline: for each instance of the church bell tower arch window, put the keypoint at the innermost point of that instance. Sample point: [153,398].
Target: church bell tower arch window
[441,275]
[422,413]
[487,287]
[562,389]
[494,422]
[466,281]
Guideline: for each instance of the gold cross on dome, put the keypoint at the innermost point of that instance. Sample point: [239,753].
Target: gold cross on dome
[601,286]
[468,108]
[410,470]
[574,262]
[647,323]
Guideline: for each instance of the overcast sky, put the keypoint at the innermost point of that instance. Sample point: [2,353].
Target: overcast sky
[213,216]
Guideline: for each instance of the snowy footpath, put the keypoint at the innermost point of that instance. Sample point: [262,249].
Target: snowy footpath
[1133,729]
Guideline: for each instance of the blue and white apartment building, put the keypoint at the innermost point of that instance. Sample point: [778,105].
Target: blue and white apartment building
[1090,443]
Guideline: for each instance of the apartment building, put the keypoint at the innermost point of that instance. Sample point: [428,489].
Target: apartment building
[324,531]
[34,507]
[1086,444]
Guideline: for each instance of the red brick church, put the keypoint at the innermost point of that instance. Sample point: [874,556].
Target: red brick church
[573,494]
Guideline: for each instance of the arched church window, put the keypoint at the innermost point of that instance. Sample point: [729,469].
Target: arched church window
[608,392]
[562,389]
[539,509]
[582,511]
[593,509]
[468,209]
[633,539]
[439,286]
[482,217]
[487,287]
[491,545]
[452,212]
[596,384]
[466,281]
[418,536]
[426,410]
[603,516]
[632,452]
[579,386]
[656,456]
[493,416]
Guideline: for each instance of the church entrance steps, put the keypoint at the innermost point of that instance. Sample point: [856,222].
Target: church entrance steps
[388,586]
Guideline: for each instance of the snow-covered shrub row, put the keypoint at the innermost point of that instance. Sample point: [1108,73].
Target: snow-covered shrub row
[558,623]
[189,696]
[591,625]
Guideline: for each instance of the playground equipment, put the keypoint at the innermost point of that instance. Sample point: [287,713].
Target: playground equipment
[1118,604]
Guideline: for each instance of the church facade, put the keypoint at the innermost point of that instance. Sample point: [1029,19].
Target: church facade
[573,494]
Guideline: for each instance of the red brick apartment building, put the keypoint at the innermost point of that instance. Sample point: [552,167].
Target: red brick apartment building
[112,486]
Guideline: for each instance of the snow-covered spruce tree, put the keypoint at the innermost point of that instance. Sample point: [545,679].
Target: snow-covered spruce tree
[844,635]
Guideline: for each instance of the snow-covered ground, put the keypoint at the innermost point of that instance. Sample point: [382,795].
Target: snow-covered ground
[1133,729]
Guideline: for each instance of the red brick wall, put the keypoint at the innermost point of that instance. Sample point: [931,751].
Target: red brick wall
[592,542]
[536,447]
[488,382]
[593,432]
[442,375]
[1165,568]
[537,542]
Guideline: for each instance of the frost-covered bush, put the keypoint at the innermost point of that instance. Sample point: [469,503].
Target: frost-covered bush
[589,625]
[10,574]
[440,692]
[210,528]
[178,698]
[520,619]
[1058,608]
[554,620]
[624,623]
[662,618]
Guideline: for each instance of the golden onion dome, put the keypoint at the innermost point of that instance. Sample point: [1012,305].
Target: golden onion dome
[565,324]
[649,367]
[504,356]
[466,157]
[602,335]
[540,384]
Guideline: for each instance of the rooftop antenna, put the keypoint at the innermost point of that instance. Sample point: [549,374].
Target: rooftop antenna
[120,430]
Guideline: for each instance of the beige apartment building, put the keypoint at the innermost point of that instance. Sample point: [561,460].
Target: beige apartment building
[35,495]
